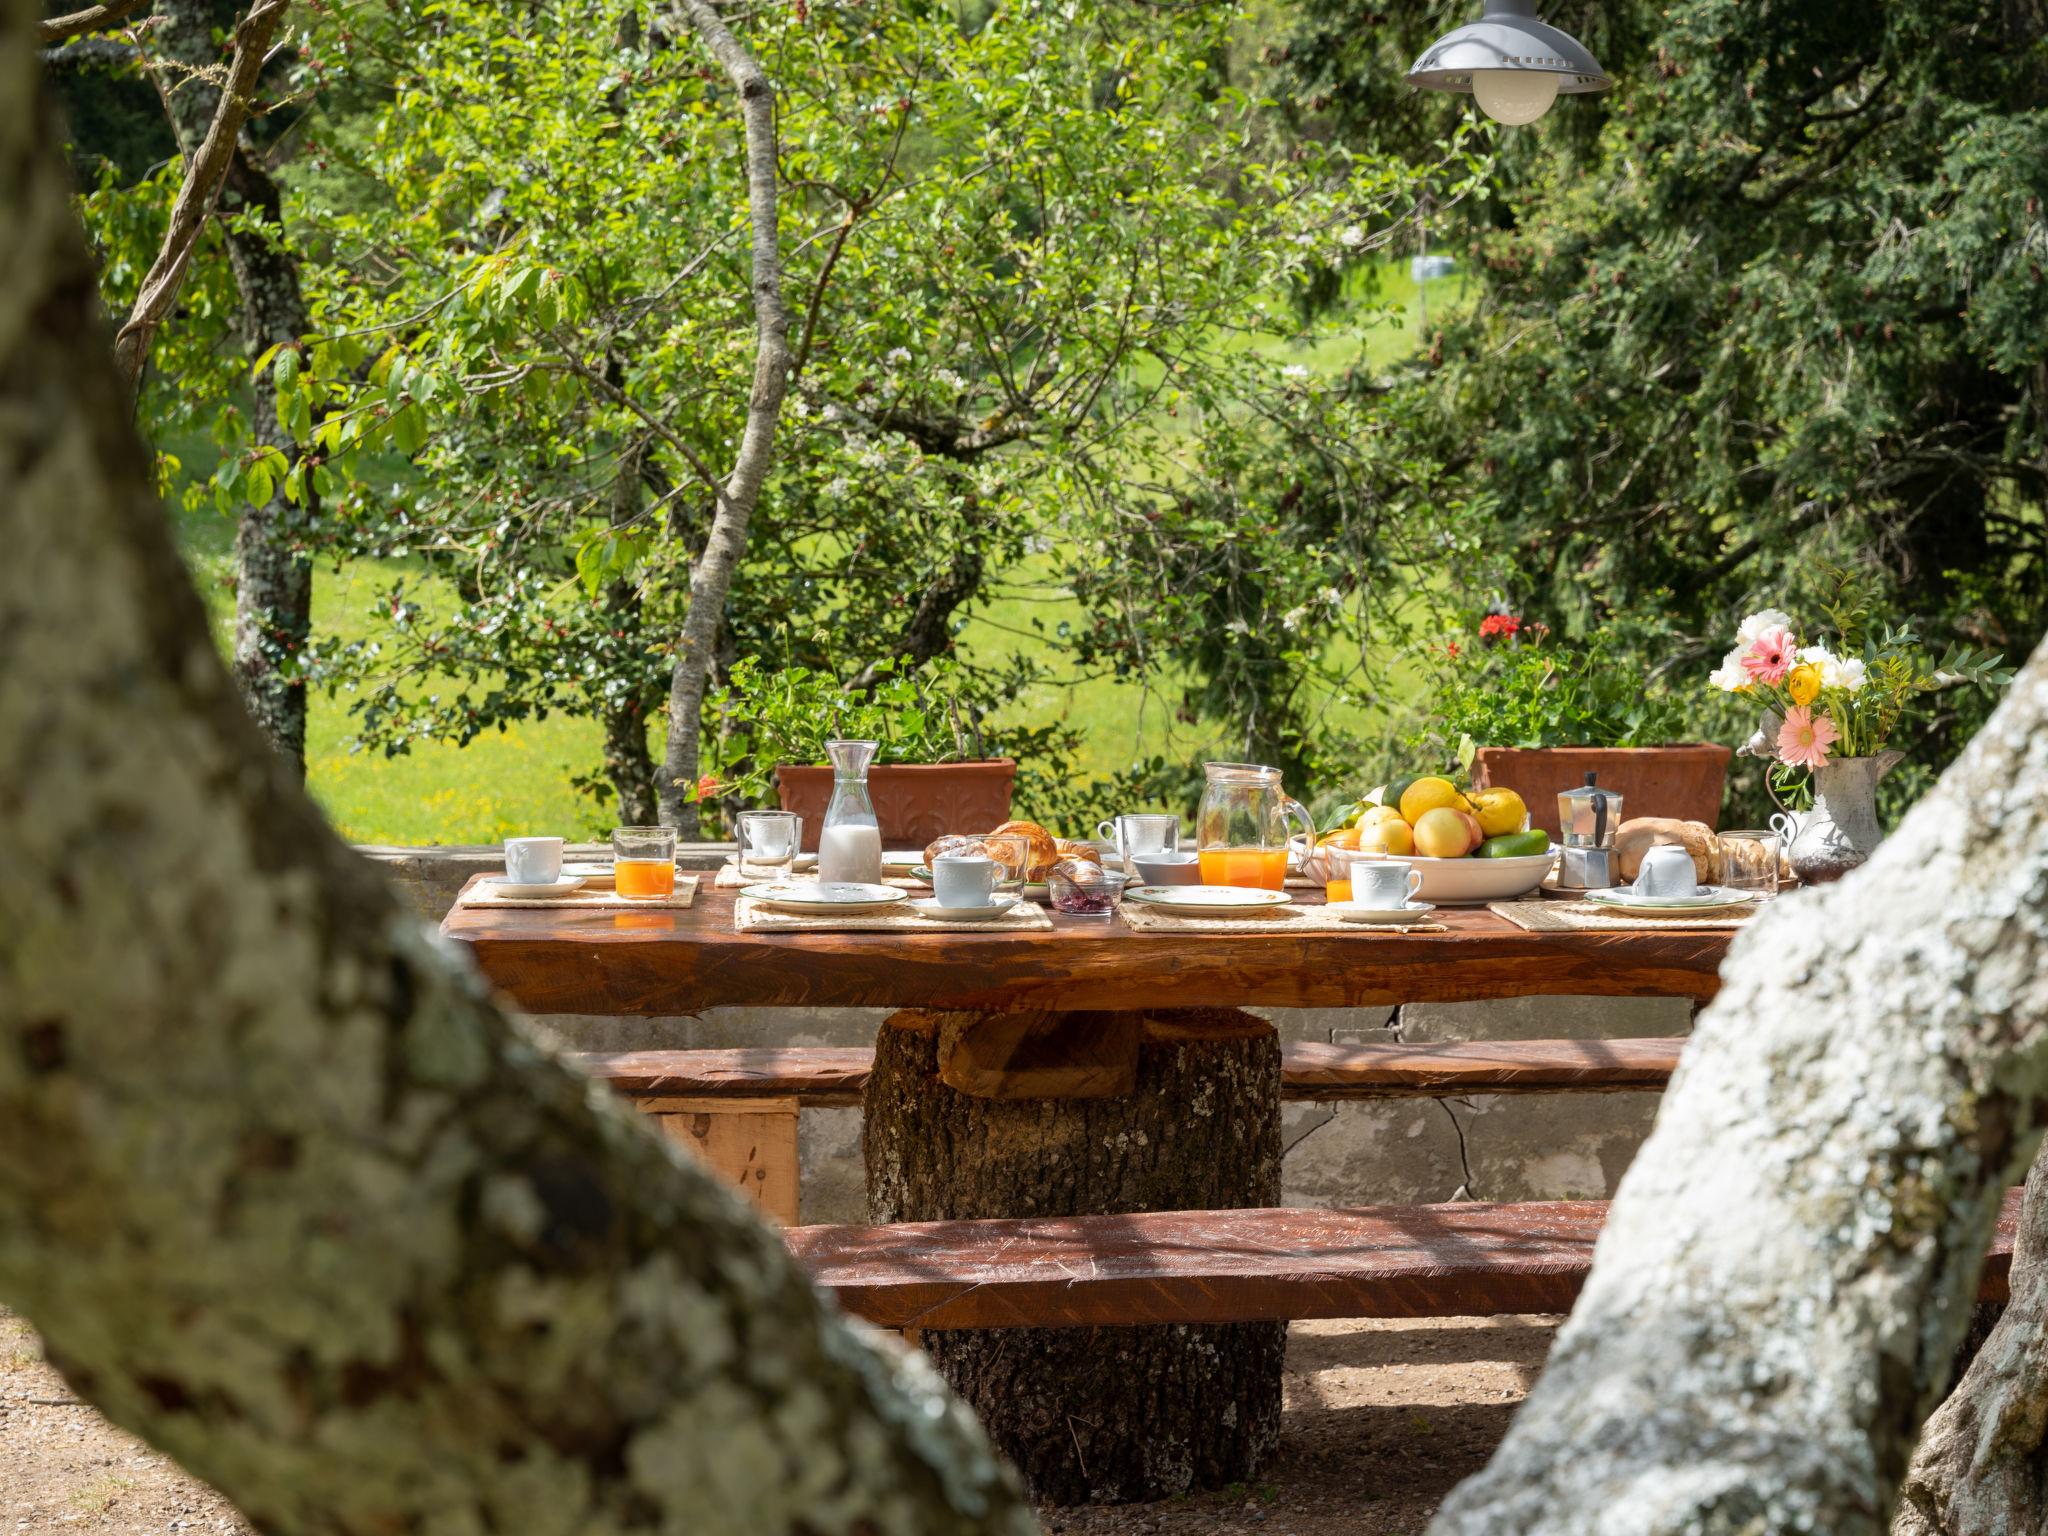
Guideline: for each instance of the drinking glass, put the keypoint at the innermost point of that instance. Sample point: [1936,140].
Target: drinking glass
[1012,853]
[644,862]
[1749,860]
[1135,836]
[768,843]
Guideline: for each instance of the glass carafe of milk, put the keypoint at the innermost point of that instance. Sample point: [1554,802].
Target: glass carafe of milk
[850,846]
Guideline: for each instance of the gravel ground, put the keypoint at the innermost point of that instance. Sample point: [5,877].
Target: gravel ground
[1383,1418]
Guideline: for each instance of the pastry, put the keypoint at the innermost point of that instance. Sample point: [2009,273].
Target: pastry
[954,843]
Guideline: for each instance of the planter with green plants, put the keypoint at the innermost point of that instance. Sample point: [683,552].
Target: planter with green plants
[1526,713]
[931,776]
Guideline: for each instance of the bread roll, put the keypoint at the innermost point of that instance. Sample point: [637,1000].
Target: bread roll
[1637,837]
[1044,851]
[954,844]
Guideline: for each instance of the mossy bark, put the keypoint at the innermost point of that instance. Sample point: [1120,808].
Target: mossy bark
[1096,1414]
[1792,1259]
[281,1189]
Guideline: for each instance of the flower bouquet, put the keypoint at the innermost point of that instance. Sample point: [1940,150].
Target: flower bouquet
[1830,709]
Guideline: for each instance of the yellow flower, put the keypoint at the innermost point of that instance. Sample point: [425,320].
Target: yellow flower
[1804,684]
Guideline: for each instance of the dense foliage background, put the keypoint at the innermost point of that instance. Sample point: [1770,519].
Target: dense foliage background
[1112,386]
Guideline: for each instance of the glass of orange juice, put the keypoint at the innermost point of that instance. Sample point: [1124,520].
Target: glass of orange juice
[644,862]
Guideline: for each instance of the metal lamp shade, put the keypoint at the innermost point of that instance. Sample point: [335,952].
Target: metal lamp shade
[1508,37]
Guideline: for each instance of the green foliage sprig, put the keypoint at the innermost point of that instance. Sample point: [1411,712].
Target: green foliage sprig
[1526,690]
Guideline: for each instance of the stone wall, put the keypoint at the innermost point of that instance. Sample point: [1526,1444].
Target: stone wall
[1394,1151]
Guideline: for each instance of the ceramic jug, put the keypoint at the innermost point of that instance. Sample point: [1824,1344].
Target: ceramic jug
[1841,830]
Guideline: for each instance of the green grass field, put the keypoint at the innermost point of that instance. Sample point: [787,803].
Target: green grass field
[519,780]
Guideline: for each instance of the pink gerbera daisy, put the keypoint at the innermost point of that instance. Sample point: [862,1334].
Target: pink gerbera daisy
[1770,655]
[1804,738]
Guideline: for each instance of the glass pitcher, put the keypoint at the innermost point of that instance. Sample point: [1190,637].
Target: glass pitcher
[850,844]
[1241,828]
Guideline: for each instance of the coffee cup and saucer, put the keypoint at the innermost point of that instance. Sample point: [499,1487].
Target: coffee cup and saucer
[1382,891]
[1668,882]
[533,868]
[964,890]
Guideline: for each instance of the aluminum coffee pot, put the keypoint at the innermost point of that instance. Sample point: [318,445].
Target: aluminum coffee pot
[1588,817]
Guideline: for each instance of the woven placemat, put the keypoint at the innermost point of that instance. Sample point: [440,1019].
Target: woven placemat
[1590,917]
[730,879]
[601,898]
[753,917]
[1144,919]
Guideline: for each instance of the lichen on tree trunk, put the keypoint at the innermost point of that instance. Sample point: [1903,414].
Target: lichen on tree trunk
[1097,1414]
[281,1189]
[1791,1261]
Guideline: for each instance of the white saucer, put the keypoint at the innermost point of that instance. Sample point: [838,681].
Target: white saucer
[1358,912]
[590,874]
[826,896]
[1705,899]
[1207,900]
[928,906]
[561,885]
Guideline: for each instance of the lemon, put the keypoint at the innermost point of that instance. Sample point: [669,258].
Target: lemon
[1499,811]
[1426,795]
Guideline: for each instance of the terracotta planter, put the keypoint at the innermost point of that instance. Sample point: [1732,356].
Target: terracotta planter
[1684,782]
[914,802]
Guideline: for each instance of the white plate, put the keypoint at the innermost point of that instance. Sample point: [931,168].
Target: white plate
[1358,912]
[802,863]
[928,906]
[899,861]
[561,885]
[823,896]
[1207,900]
[590,874]
[1709,897]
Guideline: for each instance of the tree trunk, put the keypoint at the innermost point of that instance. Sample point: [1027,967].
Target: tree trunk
[711,580]
[273,573]
[1096,1414]
[282,1190]
[1981,1468]
[1791,1261]
[627,762]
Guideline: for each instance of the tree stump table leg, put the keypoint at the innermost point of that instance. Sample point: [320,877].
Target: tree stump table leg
[984,1115]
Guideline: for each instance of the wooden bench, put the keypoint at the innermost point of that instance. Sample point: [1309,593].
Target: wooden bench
[738,1108]
[1464,1260]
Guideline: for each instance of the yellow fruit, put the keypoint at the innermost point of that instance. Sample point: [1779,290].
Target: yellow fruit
[1380,813]
[1343,837]
[1444,833]
[1390,834]
[1426,795]
[1499,810]
[1472,825]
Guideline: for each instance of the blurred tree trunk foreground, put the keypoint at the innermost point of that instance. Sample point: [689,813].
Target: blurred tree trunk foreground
[281,1190]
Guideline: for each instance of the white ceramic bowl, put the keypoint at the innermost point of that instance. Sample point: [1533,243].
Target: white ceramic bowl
[1470,881]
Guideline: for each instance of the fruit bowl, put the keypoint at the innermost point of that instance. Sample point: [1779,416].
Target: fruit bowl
[1471,881]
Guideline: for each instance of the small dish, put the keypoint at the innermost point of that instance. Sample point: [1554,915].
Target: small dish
[1168,868]
[826,896]
[928,906]
[896,861]
[1208,900]
[1086,898]
[1707,899]
[520,890]
[1358,912]
[591,874]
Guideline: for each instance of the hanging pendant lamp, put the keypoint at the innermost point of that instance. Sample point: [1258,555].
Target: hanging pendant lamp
[1513,65]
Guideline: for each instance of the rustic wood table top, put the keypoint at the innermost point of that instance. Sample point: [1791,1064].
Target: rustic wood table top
[557,960]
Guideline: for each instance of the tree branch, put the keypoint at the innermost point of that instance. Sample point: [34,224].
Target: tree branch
[203,177]
[58,29]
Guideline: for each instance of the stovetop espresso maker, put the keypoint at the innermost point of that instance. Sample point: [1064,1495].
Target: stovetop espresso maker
[1588,817]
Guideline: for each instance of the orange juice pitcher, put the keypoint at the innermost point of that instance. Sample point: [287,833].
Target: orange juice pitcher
[1241,828]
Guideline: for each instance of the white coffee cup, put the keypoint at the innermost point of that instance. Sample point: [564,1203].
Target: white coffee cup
[1385,885]
[533,860]
[1667,871]
[963,879]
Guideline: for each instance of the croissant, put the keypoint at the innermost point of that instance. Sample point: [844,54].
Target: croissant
[1069,849]
[953,843]
[1045,851]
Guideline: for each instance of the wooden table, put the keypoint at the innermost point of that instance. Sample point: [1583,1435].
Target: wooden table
[1092,1070]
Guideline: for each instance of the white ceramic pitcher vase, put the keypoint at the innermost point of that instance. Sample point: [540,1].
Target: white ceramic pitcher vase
[1841,830]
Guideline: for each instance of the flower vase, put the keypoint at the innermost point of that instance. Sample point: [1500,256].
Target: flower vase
[1841,830]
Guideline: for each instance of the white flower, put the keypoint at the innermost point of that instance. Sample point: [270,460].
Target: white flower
[951,380]
[898,356]
[1757,623]
[1238,627]
[1845,672]
[1331,596]
[1294,618]
[1728,677]
[838,488]
[831,413]
[1351,237]
[1294,371]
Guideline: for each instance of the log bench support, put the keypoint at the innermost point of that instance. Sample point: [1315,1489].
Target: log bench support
[972,1115]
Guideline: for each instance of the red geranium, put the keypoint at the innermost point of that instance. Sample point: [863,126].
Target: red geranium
[1496,625]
